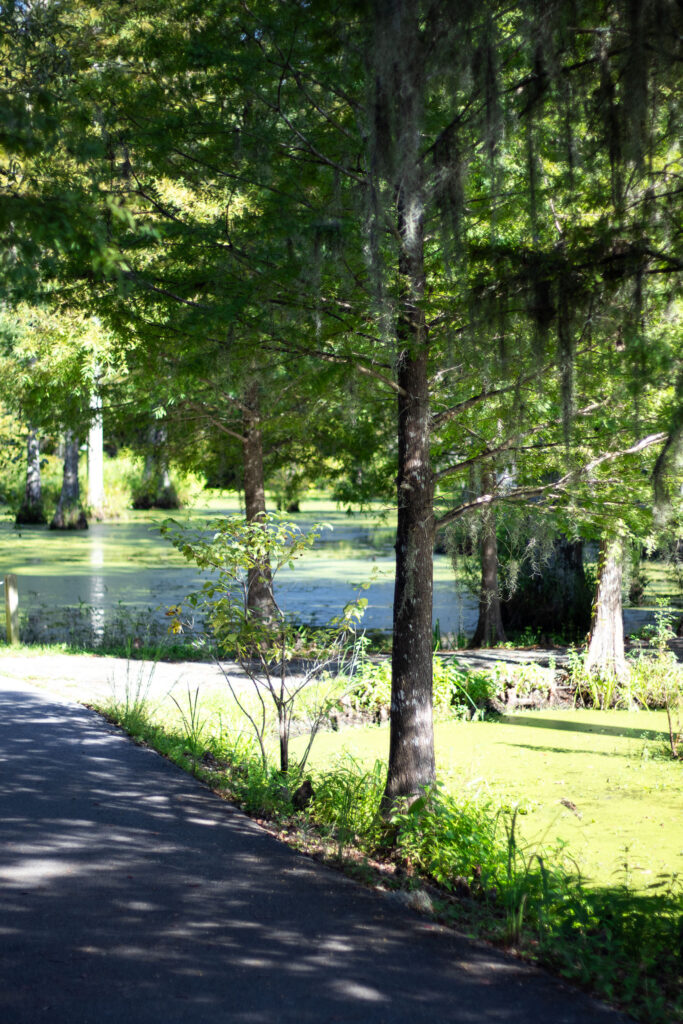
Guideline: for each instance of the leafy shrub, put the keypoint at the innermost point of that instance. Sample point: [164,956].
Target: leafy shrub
[524,679]
[456,691]
[245,558]
[186,485]
[372,686]
[447,839]
[13,481]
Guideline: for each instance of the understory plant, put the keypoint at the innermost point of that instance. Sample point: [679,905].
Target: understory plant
[522,680]
[654,678]
[456,692]
[289,668]
[347,800]
[130,698]
[623,944]
[194,723]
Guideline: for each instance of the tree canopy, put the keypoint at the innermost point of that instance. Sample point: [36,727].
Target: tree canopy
[448,233]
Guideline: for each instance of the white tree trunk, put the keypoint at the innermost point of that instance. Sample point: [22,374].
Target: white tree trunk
[96,459]
[605,656]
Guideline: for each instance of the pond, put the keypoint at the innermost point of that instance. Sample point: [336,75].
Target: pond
[123,574]
[75,583]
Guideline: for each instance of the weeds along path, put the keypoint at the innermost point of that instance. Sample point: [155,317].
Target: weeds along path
[93,678]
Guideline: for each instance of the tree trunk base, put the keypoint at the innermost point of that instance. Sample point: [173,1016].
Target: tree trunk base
[72,518]
[166,499]
[31,515]
[489,632]
[605,656]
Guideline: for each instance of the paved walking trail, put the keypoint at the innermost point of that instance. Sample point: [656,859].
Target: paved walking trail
[131,893]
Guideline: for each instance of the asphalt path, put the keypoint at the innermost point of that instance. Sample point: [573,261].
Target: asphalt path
[131,893]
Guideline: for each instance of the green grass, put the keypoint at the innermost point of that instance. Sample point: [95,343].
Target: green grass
[613,766]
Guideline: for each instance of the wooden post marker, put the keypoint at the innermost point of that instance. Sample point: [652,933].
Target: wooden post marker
[12,608]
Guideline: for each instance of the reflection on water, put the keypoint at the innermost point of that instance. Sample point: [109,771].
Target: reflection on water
[125,574]
[97,589]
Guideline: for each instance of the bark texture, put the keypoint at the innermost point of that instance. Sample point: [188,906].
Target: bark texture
[31,511]
[69,514]
[259,583]
[605,656]
[490,628]
[411,746]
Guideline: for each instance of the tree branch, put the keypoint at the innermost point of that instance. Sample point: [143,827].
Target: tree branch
[522,493]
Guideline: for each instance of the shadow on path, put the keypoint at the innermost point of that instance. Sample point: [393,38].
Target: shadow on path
[130,893]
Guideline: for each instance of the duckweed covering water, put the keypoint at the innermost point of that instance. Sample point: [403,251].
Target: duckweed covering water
[127,565]
[611,766]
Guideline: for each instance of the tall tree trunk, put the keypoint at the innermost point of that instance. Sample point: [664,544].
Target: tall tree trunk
[96,459]
[31,511]
[259,582]
[605,655]
[69,515]
[411,745]
[489,629]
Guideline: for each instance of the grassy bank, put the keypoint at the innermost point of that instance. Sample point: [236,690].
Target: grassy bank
[554,833]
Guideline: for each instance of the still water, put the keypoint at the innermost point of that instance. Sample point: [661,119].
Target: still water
[82,581]
[125,573]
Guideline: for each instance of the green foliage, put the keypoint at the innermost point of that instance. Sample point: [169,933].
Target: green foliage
[243,557]
[371,686]
[132,709]
[598,937]
[523,679]
[621,944]
[347,799]
[461,692]
[448,839]
[194,724]
[456,691]
[654,679]
[13,480]
[287,485]
[187,485]
[241,554]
